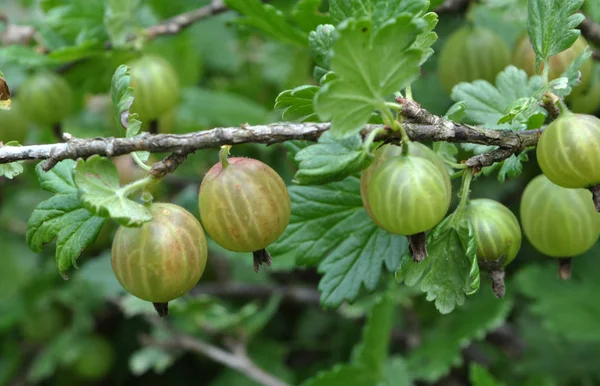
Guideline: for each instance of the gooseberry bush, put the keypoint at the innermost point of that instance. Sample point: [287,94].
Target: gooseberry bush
[308,192]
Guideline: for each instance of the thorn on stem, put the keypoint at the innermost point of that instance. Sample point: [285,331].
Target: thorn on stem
[564,268]
[162,309]
[498,285]
[417,245]
[261,256]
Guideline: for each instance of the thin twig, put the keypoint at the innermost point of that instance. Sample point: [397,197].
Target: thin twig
[180,22]
[171,26]
[430,127]
[237,359]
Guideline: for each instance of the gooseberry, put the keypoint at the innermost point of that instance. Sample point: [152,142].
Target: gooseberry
[472,53]
[409,195]
[164,258]
[568,151]
[45,98]
[498,237]
[13,125]
[244,206]
[155,87]
[387,151]
[557,221]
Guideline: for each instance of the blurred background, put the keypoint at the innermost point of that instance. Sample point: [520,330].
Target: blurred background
[87,330]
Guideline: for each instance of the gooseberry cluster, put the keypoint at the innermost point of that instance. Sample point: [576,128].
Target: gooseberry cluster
[559,208]
[244,206]
[407,191]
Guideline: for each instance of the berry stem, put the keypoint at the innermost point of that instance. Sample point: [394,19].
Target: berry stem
[153,126]
[546,71]
[393,106]
[498,286]
[464,196]
[417,245]
[223,153]
[162,309]
[390,121]
[128,190]
[596,196]
[58,132]
[371,137]
[261,256]
[139,162]
[455,165]
[408,92]
[564,268]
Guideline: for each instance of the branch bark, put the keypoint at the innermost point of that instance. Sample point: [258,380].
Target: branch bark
[180,22]
[236,359]
[420,126]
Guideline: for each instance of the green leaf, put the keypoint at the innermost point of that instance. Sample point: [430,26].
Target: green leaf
[428,37]
[203,108]
[150,358]
[268,19]
[373,349]
[258,321]
[344,375]
[321,43]
[62,217]
[12,169]
[518,108]
[549,355]
[479,376]
[487,105]
[368,72]
[450,270]
[441,346]
[98,274]
[380,11]
[512,167]
[306,14]
[71,22]
[576,295]
[52,355]
[100,192]
[85,50]
[330,226]
[24,56]
[117,19]
[122,99]
[297,104]
[395,373]
[456,112]
[331,159]
[551,26]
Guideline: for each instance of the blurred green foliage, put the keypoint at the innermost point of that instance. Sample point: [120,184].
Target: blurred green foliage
[542,333]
